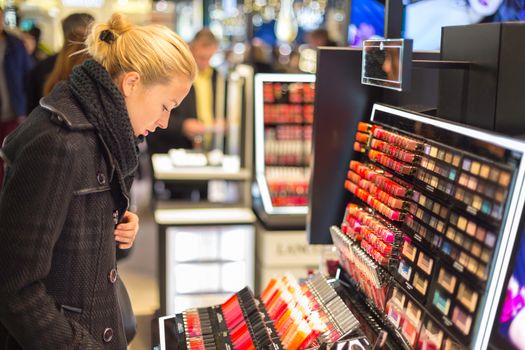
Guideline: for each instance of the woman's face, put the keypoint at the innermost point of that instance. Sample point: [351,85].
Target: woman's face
[149,107]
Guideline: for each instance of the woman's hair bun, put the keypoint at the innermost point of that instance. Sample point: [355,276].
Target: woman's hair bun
[119,24]
[153,51]
[107,36]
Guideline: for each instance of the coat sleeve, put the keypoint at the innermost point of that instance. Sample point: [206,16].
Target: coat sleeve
[33,207]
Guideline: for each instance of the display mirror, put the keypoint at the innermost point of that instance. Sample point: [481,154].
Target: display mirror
[387,63]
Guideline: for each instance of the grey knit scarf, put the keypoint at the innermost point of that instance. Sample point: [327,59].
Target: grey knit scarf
[105,108]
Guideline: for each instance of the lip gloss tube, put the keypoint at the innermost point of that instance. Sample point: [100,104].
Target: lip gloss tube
[362,137]
[364,127]
[359,147]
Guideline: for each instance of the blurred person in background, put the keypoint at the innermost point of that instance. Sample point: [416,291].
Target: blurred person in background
[69,56]
[15,64]
[31,39]
[261,56]
[72,27]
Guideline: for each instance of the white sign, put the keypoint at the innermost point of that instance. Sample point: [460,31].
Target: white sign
[83,3]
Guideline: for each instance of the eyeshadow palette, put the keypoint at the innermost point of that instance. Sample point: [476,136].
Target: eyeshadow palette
[433,336]
[415,268]
[455,300]
[405,314]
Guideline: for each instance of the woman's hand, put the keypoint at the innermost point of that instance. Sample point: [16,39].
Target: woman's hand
[126,231]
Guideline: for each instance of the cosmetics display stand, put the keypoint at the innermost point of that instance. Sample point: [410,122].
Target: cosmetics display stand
[287,315]
[206,249]
[283,131]
[430,225]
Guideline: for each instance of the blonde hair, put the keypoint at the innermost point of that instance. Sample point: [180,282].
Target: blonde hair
[153,51]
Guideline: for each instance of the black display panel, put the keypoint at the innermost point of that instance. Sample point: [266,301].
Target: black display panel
[341,102]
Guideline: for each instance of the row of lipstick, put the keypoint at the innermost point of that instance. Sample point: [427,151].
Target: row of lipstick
[397,152]
[401,141]
[199,330]
[383,180]
[377,192]
[288,113]
[288,132]
[394,151]
[373,202]
[375,237]
[389,162]
[288,186]
[287,152]
[366,221]
[365,272]
[243,319]
[306,314]
[237,324]
[293,92]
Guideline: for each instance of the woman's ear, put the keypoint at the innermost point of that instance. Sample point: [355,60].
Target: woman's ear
[128,83]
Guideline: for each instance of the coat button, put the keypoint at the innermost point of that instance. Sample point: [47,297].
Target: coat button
[101,178]
[108,335]
[112,276]
[115,216]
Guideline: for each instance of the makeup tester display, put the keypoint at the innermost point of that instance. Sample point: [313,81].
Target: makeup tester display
[424,230]
[284,118]
[288,315]
[288,117]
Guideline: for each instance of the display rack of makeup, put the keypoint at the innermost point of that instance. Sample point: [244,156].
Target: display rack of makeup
[369,287]
[470,183]
[307,314]
[406,321]
[236,324]
[288,102]
[447,205]
[460,208]
[287,152]
[417,324]
[288,186]
[458,226]
[288,118]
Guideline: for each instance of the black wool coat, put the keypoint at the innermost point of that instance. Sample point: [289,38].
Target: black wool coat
[61,198]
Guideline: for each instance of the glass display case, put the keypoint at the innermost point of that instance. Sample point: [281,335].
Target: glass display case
[283,133]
